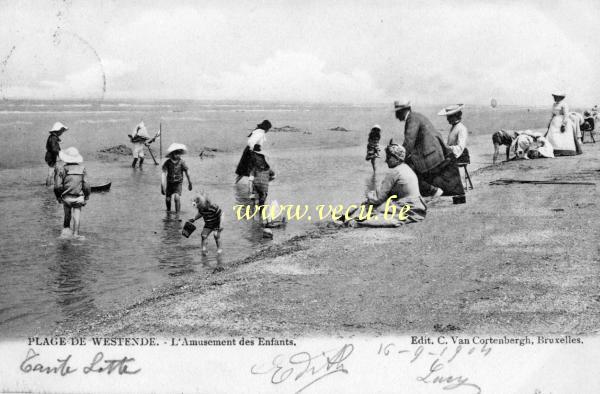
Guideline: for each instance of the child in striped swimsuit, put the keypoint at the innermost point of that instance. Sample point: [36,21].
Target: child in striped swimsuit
[212,220]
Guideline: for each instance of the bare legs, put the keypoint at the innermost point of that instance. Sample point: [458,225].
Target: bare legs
[73,214]
[216,233]
[176,197]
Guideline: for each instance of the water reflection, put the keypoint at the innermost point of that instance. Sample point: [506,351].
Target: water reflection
[175,257]
[72,261]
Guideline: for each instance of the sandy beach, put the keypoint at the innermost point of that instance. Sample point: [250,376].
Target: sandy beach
[516,258]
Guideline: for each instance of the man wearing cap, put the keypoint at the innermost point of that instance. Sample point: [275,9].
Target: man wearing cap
[53,148]
[427,154]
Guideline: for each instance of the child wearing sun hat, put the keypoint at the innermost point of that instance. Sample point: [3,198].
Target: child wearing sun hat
[71,189]
[172,178]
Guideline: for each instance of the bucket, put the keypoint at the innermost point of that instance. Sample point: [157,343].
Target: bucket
[188,229]
[459,199]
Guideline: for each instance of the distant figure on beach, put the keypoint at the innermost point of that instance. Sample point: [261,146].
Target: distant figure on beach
[138,139]
[172,177]
[256,137]
[503,137]
[589,122]
[373,145]
[428,155]
[53,148]
[260,174]
[211,213]
[457,137]
[561,130]
[71,189]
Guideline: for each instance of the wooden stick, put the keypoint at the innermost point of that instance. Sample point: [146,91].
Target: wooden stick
[151,154]
[160,139]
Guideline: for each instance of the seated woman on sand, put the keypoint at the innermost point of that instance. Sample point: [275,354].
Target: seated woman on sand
[399,188]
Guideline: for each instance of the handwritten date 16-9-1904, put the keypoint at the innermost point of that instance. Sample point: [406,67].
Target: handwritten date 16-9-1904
[121,366]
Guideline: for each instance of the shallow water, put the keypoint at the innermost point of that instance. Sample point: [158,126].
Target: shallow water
[132,246]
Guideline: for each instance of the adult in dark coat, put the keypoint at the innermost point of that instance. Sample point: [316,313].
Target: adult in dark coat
[428,155]
[52,149]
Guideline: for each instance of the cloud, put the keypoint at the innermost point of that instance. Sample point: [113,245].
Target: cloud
[433,52]
[290,76]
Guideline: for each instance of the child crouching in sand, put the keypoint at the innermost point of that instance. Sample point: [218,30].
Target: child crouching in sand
[212,220]
[71,189]
[172,178]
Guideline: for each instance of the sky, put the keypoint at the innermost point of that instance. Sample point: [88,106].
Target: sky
[429,52]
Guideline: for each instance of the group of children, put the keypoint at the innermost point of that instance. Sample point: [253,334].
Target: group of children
[72,189]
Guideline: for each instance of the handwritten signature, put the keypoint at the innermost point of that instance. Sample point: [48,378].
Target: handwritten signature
[305,368]
[62,367]
[441,360]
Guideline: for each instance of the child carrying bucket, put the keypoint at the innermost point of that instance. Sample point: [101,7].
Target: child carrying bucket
[172,177]
[71,189]
[211,213]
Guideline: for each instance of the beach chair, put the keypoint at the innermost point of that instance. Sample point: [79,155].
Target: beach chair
[591,135]
[468,183]
[462,162]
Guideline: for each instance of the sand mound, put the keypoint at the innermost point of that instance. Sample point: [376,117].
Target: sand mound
[118,150]
[338,128]
[286,129]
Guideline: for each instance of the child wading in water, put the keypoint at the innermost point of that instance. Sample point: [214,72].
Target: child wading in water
[212,220]
[71,189]
[373,145]
[260,174]
[172,177]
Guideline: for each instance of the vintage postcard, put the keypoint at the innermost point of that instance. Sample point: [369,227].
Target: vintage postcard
[299,196]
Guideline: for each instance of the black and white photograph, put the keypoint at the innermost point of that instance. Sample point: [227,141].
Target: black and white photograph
[300,196]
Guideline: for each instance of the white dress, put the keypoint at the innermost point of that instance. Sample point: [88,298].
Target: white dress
[563,142]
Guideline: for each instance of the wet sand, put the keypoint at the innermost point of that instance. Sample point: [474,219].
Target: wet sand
[516,258]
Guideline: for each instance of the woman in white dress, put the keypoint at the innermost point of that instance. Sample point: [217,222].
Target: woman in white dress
[561,130]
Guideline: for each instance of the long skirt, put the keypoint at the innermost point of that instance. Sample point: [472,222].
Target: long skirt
[563,142]
[446,176]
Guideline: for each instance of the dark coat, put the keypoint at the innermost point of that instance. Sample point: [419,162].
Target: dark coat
[425,148]
[52,149]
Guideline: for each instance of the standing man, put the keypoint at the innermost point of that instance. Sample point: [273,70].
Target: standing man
[427,154]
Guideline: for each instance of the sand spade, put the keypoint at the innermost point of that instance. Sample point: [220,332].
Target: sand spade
[188,229]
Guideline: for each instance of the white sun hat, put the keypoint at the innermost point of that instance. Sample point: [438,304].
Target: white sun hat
[451,109]
[401,104]
[58,127]
[141,131]
[376,126]
[70,155]
[175,146]
[559,92]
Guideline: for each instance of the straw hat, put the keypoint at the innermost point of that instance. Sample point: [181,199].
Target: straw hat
[175,146]
[401,104]
[559,92]
[376,126]
[58,127]
[452,109]
[70,155]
